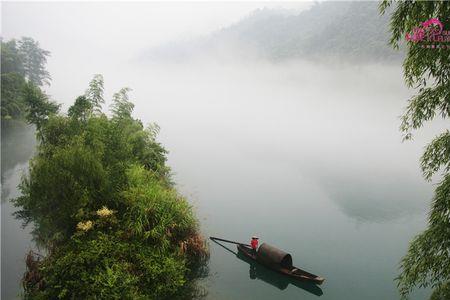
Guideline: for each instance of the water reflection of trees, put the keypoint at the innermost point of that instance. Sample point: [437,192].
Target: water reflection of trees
[376,199]
[17,145]
[258,271]
[18,142]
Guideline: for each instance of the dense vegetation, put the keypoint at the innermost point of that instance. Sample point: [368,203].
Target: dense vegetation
[101,202]
[427,262]
[22,71]
[342,31]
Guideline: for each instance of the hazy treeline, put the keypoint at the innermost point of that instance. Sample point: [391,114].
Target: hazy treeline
[345,31]
[22,69]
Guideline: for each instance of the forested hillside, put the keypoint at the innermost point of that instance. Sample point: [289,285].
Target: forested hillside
[348,31]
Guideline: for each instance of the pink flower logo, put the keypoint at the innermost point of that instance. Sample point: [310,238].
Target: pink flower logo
[433,21]
[418,33]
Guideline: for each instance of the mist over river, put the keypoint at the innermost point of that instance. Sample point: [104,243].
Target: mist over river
[307,156]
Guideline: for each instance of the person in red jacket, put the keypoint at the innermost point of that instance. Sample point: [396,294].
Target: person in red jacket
[254,244]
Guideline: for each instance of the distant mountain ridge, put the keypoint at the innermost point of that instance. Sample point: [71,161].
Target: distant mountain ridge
[348,31]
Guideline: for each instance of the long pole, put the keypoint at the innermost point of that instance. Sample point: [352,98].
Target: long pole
[227,241]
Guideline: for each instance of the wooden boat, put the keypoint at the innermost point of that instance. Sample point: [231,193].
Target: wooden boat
[279,261]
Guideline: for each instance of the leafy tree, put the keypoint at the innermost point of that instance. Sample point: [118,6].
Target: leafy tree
[13,105]
[91,102]
[23,65]
[34,60]
[39,107]
[100,199]
[81,109]
[122,107]
[427,262]
[95,92]
[11,59]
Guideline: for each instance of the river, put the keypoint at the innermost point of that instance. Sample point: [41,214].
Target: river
[17,146]
[307,157]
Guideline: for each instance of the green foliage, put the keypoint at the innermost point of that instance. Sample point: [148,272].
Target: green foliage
[95,92]
[81,109]
[81,164]
[101,201]
[12,98]
[66,178]
[427,262]
[34,60]
[103,264]
[23,66]
[39,107]
[437,156]
[157,213]
[122,107]
[26,58]
[441,293]
[11,58]
[425,106]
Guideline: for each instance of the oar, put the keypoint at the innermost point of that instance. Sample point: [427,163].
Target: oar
[227,241]
[224,247]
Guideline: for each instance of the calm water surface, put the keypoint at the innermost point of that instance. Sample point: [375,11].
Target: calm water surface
[17,145]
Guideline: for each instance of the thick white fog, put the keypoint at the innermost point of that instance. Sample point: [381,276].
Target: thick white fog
[336,126]
[327,119]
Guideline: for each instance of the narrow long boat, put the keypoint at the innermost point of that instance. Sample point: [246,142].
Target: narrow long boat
[279,261]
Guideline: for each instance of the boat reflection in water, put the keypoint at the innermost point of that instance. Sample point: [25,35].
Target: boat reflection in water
[258,271]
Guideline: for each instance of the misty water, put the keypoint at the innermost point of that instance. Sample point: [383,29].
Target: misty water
[17,146]
[307,156]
